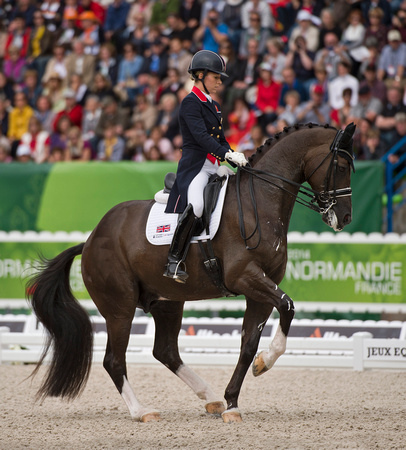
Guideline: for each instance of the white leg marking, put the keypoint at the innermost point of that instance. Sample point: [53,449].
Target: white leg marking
[135,408]
[197,384]
[276,349]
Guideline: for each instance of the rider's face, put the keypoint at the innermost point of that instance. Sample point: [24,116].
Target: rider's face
[212,82]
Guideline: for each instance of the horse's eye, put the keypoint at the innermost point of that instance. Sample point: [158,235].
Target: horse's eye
[341,168]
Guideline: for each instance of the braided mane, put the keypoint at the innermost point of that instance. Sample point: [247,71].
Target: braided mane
[270,142]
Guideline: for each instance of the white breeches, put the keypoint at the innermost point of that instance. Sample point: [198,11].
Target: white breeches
[196,187]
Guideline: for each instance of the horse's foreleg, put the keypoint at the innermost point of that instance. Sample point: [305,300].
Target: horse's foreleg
[255,317]
[115,364]
[168,321]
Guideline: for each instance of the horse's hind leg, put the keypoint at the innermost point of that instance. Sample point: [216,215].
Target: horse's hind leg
[168,320]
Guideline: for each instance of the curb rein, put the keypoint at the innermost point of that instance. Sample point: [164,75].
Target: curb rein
[328,198]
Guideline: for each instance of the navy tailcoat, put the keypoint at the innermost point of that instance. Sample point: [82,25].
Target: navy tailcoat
[203,137]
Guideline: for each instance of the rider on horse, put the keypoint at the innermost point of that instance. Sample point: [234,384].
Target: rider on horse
[204,147]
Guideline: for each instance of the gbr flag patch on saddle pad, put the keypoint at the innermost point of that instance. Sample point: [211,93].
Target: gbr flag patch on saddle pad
[161,226]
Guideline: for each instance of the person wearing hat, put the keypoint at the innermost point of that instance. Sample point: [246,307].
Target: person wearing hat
[23,153]
[307,26]
[392,62]
[204,147]
[69,29]
[91,33]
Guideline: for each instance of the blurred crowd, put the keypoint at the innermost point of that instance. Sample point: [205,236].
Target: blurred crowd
[103,80]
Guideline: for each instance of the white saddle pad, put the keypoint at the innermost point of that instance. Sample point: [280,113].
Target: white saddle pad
[161,226]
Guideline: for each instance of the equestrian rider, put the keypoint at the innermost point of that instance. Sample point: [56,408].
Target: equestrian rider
[204,147]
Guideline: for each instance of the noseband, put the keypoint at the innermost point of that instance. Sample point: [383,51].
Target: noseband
[320,201]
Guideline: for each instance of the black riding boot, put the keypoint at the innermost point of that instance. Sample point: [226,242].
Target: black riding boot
[180,245]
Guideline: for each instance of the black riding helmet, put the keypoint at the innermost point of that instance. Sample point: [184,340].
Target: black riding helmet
[207,61]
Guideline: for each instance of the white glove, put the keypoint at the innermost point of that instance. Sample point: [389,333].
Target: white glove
[236,158]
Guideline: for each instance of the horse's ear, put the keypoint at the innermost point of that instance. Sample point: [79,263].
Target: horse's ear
[348,133]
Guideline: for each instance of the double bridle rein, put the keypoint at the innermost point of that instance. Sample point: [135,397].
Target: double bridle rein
[326,198]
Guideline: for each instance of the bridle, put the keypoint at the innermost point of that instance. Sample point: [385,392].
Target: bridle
[319,201]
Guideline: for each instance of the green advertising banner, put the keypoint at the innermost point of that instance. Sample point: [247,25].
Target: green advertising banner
[75,196]
[325,267]
[346,272]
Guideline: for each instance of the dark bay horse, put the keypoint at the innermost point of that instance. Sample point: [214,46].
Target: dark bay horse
[122,271]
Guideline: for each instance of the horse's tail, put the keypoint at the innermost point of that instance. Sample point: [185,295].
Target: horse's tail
[68,325]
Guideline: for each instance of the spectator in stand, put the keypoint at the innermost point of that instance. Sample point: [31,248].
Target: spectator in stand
[157,61]
[240,120]
[384,5]
[14,66]
[139,8]
[161,10]
[115,21]
[353,37]
[91,34]
[68,30]
[54,89]
[144,112]
[112,114]
[376,28]
[368,106]
[218,5]
[289,112]
[40,45]
[176,28]
[30,87]
[386,121]
[290,82]
[276,57]
[172,83]
[107,63]
[3,117]
[79,88]
[43,112]
[59,137]
[226,51]
[320,74]
[314,110]
[72,109]
[102,87]
[254,31]
[179,58]
[300,59]
[399,20]
[212,32]
[392,62]
[52,10]
[307,27]
[5,153]
[371,45]
[128,70]
[80,63]
[360,137]
[268,96]
[37,140]
[251,141]
[90,119]
[18,37]
[246,72]
[231,16]
[24,8]
[137,34]
[399,133]
[153,154]
[167,120]
[343,80]
[112,146]
[340,118]
[374,148]
[95,7]
[77,149]
[331,54]
[6,88]
[328,25]
[18,120]
[23,153]
[262,10]
[56,65]
[165,146]
[190,12]
[376,86]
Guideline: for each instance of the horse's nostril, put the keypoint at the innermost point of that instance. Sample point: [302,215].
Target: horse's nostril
[347,219]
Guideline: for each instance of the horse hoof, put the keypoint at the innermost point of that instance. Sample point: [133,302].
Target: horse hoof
[215,407]
[258,366]
[151,417]
[231,416]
